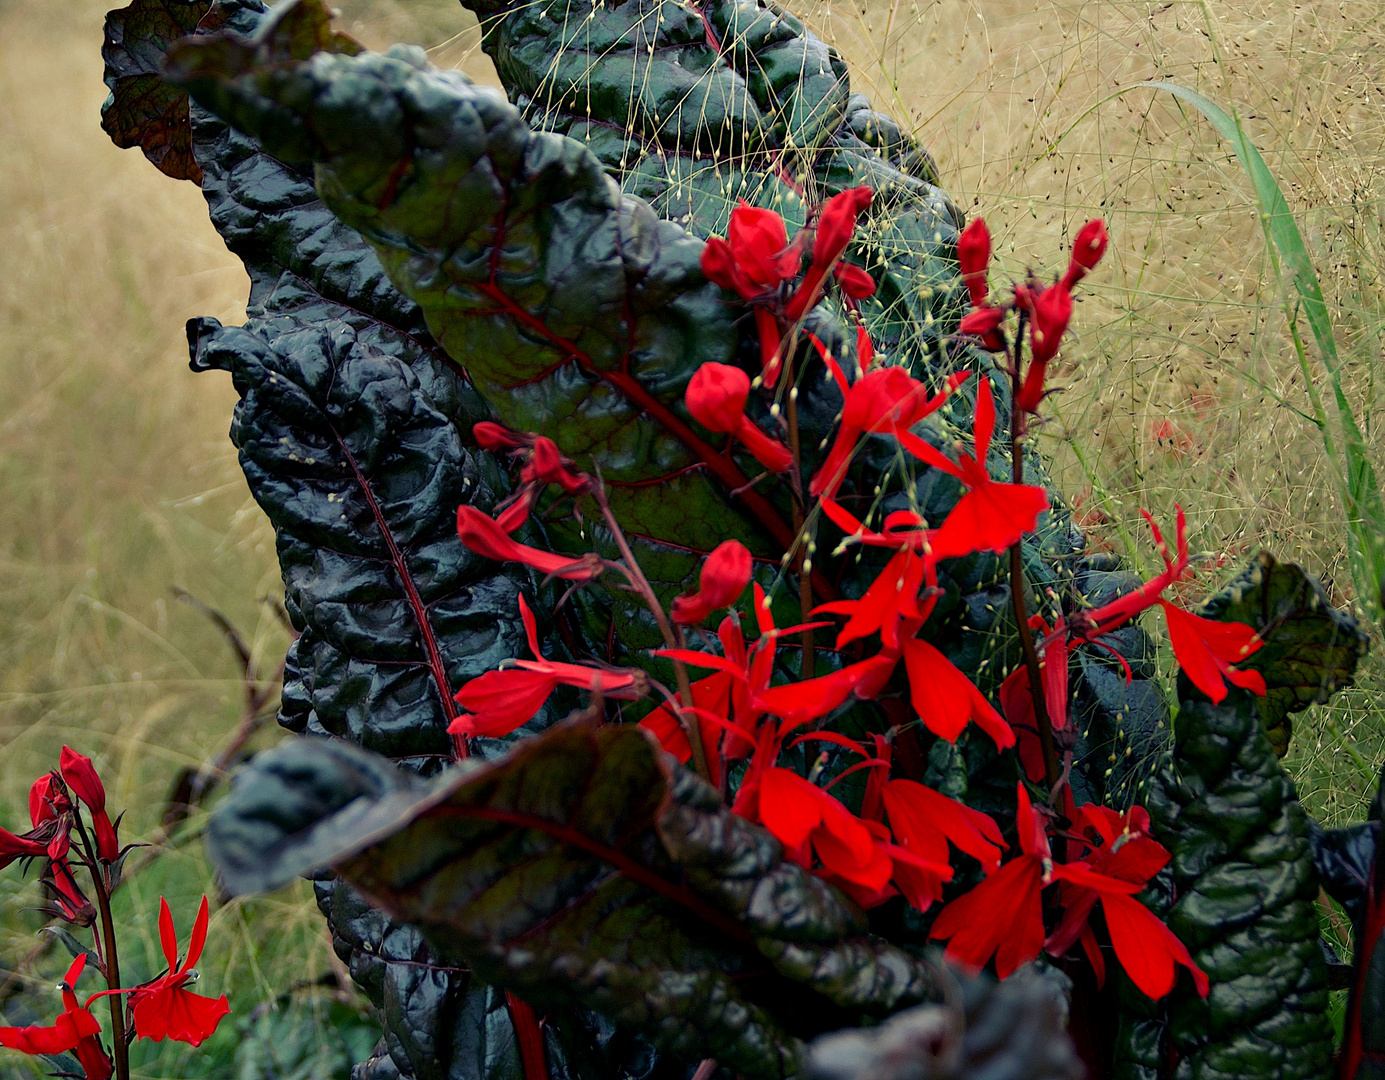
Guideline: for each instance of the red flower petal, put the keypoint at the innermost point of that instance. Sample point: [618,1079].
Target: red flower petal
[174,1013]
[1001,917]
[945,699]
[500,701]
[1146,948]
[789,806]
[925,821]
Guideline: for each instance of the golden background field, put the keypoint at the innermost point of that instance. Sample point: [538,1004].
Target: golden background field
[117,481]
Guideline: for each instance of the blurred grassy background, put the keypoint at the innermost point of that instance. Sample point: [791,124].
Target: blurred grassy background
[119,483]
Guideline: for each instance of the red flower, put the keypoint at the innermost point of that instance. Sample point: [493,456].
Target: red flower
[885,401]
[926,821]
[48,799]
[546,465]
[991,515]
[74,1030]
[892,598]
[1014,693]
[1087,251]
[1003,916]
[973,257]
[808,820]
[1206,649]
[493,437]
[716,398]
[1091,625]
[865,349]
[1048,322]
[835,225]
[18,847]
[485,537]
[162,1008]
[984,323]
[755,257]
[80,775]
[1121,863]
[946,700]
[500,701]
[724,577]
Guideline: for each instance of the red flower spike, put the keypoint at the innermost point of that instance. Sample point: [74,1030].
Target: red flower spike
[1087,251]
[75,1029]
[1206,649]
[835,225]
[854,282]
[724,577]
[162,1009]
[80,776]
[716,397]
[946,700]
[973,258]
[500,701]
[991,515]
[485,537]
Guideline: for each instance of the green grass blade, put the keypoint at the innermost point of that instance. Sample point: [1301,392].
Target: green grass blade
[1359,490]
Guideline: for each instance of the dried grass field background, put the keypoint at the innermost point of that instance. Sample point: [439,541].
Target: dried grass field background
[118,483]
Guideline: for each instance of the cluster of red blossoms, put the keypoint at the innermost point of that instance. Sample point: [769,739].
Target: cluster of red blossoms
[901,840]
[159,1009]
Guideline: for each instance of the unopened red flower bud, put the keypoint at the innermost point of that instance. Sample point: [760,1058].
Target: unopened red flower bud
[984,323]
[495,438]
[724,577]
[1048,321]
[973,258]
[837,222]
[47,799]
[854,281]
[716,398]
[1087,251]
[80,775]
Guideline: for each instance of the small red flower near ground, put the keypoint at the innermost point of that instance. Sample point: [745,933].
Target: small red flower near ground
[163,1009]
[75,1030]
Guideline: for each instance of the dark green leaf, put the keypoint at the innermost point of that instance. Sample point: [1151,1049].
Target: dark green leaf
[583,868]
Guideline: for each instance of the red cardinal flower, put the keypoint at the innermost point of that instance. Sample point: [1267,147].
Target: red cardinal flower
[484,536]
[926,821]
[547,465]
[1087,251]
[716,397]
[162,1008]
[500,701]
[885,401]
[984,323]
[494,437]
[1048,322]
[1018,704]
[1003,916]
[755,257]
[80,775]
[74,1030]
[724,577]
[808,820]
[854,282]
[1092,624]
[1122,861]
[835,225]
[973,257]
[991,515]
[891,599]
[1206,649]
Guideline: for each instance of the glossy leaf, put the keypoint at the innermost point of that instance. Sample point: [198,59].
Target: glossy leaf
[584,868]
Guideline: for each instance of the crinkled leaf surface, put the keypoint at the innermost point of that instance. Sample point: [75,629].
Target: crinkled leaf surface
[143,110]
[583,868]
[1242,879]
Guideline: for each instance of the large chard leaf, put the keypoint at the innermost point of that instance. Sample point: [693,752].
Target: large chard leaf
[584,868]
[569,307]
[1242,881]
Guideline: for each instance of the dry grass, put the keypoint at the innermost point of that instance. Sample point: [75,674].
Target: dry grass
[119,482]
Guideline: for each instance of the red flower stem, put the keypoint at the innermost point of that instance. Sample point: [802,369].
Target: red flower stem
[1017,582]
[529,1038]
[103,905]
[673,640]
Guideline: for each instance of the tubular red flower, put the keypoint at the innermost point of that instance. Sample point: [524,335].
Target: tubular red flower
[485,537]
[835,225]
[725,574]
[162,1009]
[760,245]
[547,465]
[80,776]
[498,702]
[973,258]
[984,323]
[1206,649]
[891,598]
[1048,322]
[991,515]
[1087,250]
[493,437]
[75,1029]
[716,398]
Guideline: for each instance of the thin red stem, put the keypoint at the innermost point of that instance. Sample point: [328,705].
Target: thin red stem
[528,1037]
